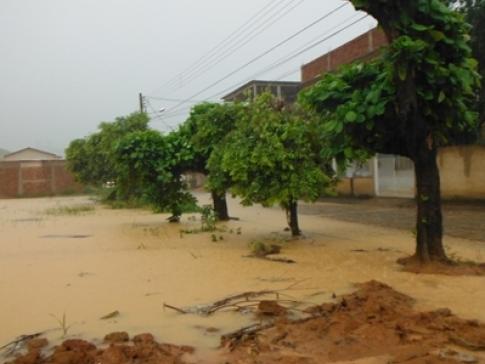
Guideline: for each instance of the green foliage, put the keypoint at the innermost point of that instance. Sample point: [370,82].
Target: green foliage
[474,12]
[272,157]
[91,159]
[206,129]
[422,87]
[149,165]
[70,210]
[261,249]
[208,218]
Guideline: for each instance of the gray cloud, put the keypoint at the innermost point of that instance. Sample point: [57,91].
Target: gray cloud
[69,64]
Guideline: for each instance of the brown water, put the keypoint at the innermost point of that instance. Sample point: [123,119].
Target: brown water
[132,261]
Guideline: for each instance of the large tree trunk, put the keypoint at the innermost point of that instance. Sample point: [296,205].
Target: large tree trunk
[292,217]
[429,226]
[220,206]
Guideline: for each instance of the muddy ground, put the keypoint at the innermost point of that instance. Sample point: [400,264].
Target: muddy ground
[62,269]
[462,219]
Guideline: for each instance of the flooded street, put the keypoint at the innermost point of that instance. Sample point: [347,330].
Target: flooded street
[87,265]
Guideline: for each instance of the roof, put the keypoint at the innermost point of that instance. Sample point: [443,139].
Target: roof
[51,155]
[249,84]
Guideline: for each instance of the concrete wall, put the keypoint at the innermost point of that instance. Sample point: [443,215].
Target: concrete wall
[362,187]
[35,178]
[462,171]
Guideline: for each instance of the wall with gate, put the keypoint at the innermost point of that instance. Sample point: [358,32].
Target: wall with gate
[35,178]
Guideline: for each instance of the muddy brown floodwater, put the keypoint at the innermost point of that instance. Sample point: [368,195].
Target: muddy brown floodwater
[87,265]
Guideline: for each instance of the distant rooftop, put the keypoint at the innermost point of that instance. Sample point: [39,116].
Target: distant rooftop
[288,90]
[30,153]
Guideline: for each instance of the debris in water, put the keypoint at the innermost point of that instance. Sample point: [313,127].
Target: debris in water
[110,315]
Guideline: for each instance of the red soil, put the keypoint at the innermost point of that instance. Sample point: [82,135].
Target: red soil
[375,322]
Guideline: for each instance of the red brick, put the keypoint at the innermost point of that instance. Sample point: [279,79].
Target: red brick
[363,47]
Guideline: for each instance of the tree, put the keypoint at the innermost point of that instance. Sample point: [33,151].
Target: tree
[152,164]
[206,129]
[272,157]
[413,99]
[91,159]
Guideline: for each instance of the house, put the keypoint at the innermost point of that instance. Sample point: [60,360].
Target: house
[287,90]
[31,172]
[30,154]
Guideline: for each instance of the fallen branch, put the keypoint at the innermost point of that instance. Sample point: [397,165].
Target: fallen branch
[271,259]
[18,343]
[179,310]
[467,344]
[233,338]
[238,302]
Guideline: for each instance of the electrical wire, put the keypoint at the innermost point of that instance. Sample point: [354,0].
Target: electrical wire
[176,112]
[288,57]
[253,19]
[236,47]
[266,53]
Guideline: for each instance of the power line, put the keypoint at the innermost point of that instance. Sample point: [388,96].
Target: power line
[167,99]
[292,71]
[275,65]
[281,61]
[263,54]
[157,114]
[229,52]
[255,18]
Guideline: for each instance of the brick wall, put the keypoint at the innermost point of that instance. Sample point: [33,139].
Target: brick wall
[363,47]
[35,178]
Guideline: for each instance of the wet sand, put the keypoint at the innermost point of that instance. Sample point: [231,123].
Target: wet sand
[132,261]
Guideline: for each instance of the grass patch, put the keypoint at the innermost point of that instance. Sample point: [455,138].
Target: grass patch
[262,249]
[70,210]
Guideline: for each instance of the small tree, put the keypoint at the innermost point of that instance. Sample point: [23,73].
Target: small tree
[412,100]
[272,157]
[206,129]
[92,159]
[152,164]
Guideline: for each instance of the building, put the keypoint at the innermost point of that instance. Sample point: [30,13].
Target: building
[287,90]
[31,172]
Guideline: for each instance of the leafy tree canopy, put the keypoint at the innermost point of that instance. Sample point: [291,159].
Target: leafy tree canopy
[429,53]
[92,159]
[272,157]
[152,164]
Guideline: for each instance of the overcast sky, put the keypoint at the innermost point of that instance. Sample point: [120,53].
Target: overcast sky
[67,65]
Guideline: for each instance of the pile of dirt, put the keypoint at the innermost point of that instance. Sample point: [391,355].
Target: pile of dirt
[374,325]
[374,322]
[142,349]
[450,268]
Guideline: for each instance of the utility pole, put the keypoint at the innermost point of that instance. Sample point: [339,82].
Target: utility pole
[142,102]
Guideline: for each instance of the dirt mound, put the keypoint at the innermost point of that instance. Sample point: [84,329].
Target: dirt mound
[374,322]
[143,350]
[451,268]
[374,325]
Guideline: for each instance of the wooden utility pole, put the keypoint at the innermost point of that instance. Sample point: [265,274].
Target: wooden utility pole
[142,102]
